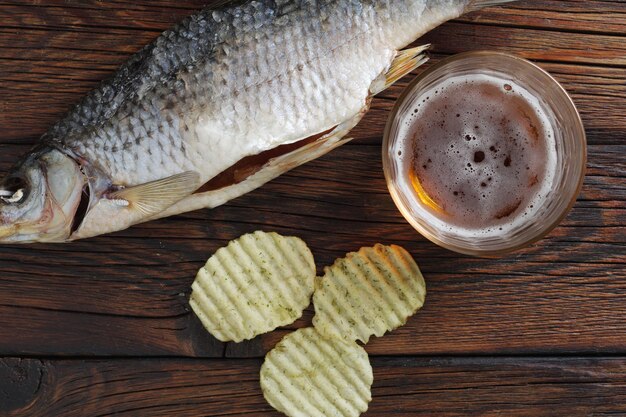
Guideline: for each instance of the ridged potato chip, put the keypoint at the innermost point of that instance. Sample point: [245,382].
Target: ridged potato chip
[309,375]
[369,292]
[257,283]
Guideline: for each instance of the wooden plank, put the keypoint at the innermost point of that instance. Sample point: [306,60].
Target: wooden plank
[402,386]
[605,17]
[541,45]
[125,294]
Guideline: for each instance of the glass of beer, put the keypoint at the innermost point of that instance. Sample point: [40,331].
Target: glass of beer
[484,153]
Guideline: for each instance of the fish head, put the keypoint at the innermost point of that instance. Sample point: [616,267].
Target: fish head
[40,198]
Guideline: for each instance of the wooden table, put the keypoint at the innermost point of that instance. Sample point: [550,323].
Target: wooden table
[102,326]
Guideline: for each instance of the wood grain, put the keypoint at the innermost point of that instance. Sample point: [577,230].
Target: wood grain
[574,16]
[402,387]
[102,326]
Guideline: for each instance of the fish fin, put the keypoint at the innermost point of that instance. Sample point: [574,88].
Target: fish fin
[154,197]
[480,4]
[404,62]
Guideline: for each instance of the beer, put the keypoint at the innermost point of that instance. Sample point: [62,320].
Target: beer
[484,153]
[478,153]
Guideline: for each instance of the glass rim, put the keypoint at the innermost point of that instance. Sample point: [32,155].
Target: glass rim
[579,134]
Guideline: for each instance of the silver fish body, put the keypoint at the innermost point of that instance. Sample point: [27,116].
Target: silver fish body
[179,126]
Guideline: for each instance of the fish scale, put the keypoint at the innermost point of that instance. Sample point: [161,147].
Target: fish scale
[222,86]
[217,104]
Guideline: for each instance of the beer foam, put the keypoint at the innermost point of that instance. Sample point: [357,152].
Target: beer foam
[479,153]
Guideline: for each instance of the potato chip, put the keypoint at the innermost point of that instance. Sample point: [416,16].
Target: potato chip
[367,293]
[255,284]
[307,374]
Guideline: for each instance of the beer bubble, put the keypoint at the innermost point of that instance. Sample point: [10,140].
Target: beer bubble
[476,156]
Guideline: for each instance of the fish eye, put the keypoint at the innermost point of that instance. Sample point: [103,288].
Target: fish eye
[13,191]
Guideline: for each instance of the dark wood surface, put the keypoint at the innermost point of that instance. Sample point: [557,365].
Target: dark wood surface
[402,386]
[102,326]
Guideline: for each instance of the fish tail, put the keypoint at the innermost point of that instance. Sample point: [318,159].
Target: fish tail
[479,4]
